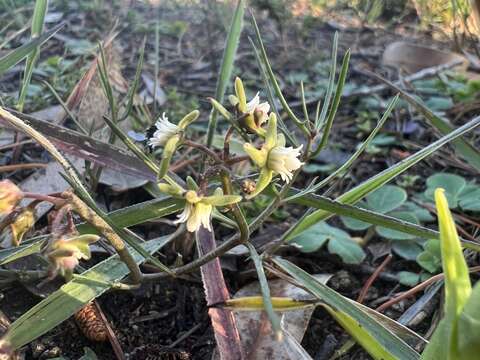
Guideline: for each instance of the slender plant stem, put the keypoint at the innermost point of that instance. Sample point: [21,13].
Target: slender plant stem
[236,211]
[204,149]
[51,199]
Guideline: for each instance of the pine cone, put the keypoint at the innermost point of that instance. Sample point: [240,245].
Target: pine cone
[91,324]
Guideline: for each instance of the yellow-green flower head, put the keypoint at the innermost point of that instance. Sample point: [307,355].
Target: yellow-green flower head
[64,253]
[165,131]
[198,209]
[273,158]
[23,222]
[10,196]
[255,113]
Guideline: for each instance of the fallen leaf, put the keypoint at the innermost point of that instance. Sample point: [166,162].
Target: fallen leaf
[257,338]
[413,57]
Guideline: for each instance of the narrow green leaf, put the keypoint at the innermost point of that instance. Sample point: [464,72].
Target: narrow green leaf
[360,191]
[369,216]
[123,218]
[345,166]
[463,147]
[278,92]
[288,134]
[380,340]
[37,27]
[336,102]
[20,53]
[363,337]
[445,341]
[71,297]
[267,299]
[229,53]
[132,91]
[320,117]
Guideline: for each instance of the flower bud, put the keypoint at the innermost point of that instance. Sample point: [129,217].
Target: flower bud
[64,254]
[10,196]
[23,222]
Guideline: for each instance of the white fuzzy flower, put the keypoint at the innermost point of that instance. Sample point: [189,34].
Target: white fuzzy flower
[260,110]
[165,131]
[284,160]
[196,212]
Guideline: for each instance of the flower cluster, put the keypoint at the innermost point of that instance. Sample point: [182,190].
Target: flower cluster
[272,158]
[64,252]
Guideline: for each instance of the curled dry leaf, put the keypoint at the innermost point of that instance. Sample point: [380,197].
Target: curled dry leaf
[258,341]
[413,57]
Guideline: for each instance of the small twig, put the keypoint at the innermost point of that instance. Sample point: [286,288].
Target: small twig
[15,144]
[372,278]
[416,289]
[185,336]
[15,167]
[204,149]
[51,199]
[117,348]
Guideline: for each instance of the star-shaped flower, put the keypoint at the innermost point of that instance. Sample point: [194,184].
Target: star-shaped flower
[273,158]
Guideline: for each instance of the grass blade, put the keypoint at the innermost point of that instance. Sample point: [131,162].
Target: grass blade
[20,53]
[288,134]
[371,217]
[336,101]
[320,118]
[71,297]
[345,166]
[231,46]
[37,27]
[463,147]
[372,184]
[357,321]
[458,288]
[267,299]
[273,80]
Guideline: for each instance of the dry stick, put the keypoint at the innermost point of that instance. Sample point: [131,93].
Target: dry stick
[427,72]
[9,146]
[15,167]
[372,278]
[117,348]
[216,292]
[203,148]
[416,289]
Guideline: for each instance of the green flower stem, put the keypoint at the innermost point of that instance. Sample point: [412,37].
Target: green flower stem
[236,211]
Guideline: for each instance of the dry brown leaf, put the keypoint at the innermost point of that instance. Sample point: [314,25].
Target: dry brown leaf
[413,58]
[255,332]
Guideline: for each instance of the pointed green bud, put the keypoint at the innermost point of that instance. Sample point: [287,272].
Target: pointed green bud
[271,135]
[188,119]
[218,191]
[192,197]
[222,200]
[170,189]
[264,180]
[168,151]
[259,157]
[23,222]
[233,100]
[191,184]
[240,91]
[219,107]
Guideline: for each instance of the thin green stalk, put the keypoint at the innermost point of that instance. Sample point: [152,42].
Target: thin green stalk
[300,124]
